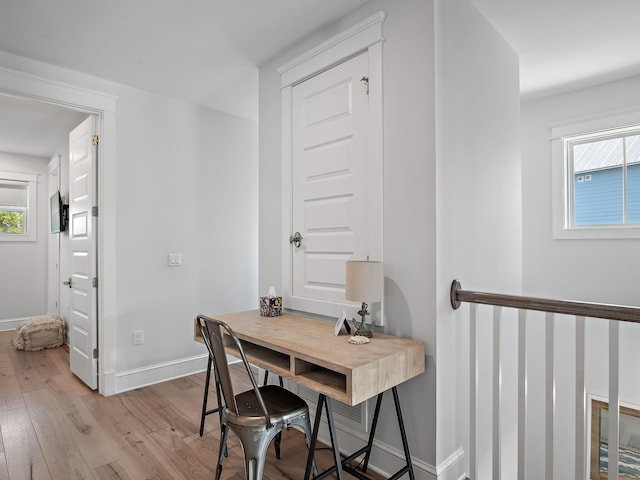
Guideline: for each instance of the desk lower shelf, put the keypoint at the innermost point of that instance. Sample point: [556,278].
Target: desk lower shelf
[320,379]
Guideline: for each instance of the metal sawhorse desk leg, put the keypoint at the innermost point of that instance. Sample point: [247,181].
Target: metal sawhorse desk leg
[340,465]
[218,409]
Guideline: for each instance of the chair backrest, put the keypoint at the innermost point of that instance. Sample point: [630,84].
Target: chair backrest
[213,332]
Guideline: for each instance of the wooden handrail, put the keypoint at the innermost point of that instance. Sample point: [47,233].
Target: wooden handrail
[568,307]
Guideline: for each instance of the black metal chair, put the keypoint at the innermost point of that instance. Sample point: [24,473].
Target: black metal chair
[255,416]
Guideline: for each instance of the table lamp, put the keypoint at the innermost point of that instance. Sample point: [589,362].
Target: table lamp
[364,281]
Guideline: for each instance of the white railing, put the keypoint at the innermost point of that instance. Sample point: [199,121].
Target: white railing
[532,414]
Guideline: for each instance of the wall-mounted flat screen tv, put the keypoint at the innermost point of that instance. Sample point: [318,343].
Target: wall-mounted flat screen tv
[58,213]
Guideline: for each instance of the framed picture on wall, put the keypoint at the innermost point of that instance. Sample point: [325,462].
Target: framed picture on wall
[629,445]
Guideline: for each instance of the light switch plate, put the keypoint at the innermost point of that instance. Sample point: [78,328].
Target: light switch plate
[138,337]
[175,259]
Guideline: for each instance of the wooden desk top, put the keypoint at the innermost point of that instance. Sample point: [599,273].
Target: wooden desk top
[307,351]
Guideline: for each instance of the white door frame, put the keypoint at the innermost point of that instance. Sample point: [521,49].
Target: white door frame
[33,87]
[364,36]
[53,242]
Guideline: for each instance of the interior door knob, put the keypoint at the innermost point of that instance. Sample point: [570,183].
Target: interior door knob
[67,283]
[296,239]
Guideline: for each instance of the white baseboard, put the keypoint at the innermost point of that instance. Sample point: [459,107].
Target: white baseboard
[161,372]
[109,387]
[453,467]
[10,324]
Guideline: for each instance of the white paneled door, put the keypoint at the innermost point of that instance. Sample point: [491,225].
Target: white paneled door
[82,238]
[330,113]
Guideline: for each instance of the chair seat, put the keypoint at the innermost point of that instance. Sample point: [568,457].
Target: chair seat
[281,404]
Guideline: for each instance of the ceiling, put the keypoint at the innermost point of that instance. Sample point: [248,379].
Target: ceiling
[565,45]
[34,128]
[202,51]
[205,52]
[208,51]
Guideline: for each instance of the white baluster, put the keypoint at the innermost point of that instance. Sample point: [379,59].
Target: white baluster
[522,391]
[581,399]
[614,399]
[550,395]
[497,394]
[473,391]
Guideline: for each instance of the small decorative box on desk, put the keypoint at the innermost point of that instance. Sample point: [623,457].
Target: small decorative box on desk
[271,305]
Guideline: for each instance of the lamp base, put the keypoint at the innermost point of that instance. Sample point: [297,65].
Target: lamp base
[364,329]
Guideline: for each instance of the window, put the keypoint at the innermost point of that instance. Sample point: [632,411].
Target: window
[596,165]
[604,174]
[17,206]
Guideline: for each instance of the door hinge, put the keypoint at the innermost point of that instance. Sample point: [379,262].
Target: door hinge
[365,80]
[96,140]
[94,211]
[95,353]
[94,282]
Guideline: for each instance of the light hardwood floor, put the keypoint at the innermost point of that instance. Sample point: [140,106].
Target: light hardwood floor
[53,427]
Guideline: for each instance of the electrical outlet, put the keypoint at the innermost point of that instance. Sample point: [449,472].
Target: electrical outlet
[138,337]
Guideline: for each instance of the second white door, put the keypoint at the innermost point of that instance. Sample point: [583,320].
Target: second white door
[330,115]
[82,238]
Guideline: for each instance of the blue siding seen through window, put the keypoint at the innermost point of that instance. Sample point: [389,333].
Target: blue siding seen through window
[598,196]
[598,200]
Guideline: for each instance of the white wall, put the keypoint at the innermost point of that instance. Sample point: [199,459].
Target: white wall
[606,271]
[228,240]
[23,276]
[409,199]
[478,194]
[179,172]
[187,183]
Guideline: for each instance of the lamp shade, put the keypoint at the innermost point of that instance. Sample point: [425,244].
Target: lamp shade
[364,281]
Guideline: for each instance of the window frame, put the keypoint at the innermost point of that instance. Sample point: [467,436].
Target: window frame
[30,180]
[620,121]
